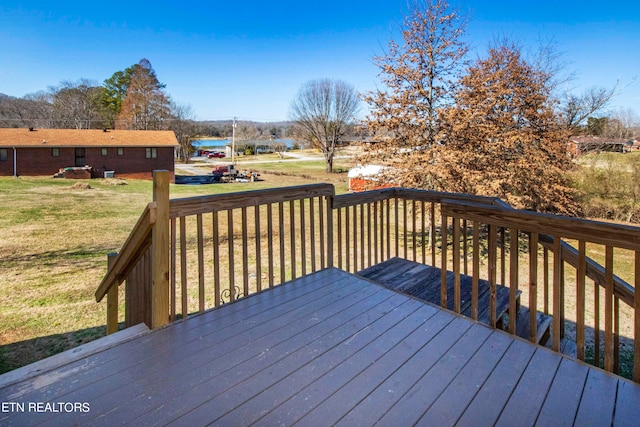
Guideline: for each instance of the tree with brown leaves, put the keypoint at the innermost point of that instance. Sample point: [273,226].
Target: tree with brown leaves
[146,106]
[502,137]
[419,77]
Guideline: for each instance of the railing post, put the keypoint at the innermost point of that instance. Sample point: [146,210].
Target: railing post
[160,251]
[112,299]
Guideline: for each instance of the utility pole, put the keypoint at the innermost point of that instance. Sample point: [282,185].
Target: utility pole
[233,142]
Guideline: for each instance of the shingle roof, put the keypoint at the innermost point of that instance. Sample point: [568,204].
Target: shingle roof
[22,137]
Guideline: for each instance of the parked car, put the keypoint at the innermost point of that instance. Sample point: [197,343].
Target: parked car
[216,154]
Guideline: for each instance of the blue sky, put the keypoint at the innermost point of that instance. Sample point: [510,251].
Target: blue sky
[249,60]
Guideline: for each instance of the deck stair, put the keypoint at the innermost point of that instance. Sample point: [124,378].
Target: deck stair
[423,282]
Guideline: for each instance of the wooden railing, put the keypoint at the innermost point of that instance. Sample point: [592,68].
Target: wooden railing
[215,249]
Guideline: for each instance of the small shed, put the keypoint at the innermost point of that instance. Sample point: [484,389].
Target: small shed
[367,177]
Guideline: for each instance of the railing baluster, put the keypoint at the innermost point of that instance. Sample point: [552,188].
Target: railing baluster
[397,224]
[375,232]
[432,235]
[183,267]
[404,228]
[545,279]
[476,270]
[200,263]
[493,243]
[513,278]
[172,278]
[503,278]
[256,214]
[312,225]
[616,335]
[322,246]
[465,249]
[232,277]
[347,226]
[339,213]
[216,259]
[369,248]
[388,202]
[608,309]
[270,244]
[303,239]
[596,327]
[456,265]
[292,238]
[533,287]
[362,220]
[413,230]
[580,296]
[557,300]
[281,240]
[245,253]
[355,238]
[443,268]
[423,232]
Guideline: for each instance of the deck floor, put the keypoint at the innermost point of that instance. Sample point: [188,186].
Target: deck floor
[328,348]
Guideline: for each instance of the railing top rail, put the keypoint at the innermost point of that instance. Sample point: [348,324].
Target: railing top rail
[617,235]
[371,196]
[439,196]
[135,245]
[220,202]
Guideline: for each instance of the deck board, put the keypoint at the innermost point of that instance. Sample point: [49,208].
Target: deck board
[327,348]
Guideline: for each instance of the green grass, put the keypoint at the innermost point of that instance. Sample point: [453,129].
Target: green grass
[54,242]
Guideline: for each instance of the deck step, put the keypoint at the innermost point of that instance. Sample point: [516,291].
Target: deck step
[424,282]
[543,325]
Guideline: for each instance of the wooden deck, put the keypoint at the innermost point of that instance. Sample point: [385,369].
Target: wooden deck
[328,348]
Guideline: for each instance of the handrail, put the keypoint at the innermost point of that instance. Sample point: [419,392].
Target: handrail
[138,241]
[220,202]
[623,236]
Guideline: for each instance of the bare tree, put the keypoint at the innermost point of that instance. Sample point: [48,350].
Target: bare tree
[77,105]
[576,109]
[185,128]
[322,110]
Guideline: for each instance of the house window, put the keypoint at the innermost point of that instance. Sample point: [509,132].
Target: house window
[104,151]
[152,153]
[55,152]
[120,151]
[3,154]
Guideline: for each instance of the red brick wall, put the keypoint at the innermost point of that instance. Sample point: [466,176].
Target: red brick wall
[133,164]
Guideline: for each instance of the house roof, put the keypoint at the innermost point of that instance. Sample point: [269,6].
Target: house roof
[22,137]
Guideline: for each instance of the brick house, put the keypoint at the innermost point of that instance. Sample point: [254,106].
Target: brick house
[129,153]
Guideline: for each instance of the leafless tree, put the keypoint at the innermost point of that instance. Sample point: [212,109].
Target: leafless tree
[77,105]
[322,110]
[185,128]
[576,109]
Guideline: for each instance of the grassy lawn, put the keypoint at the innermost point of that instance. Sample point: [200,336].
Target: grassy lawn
[54,241]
